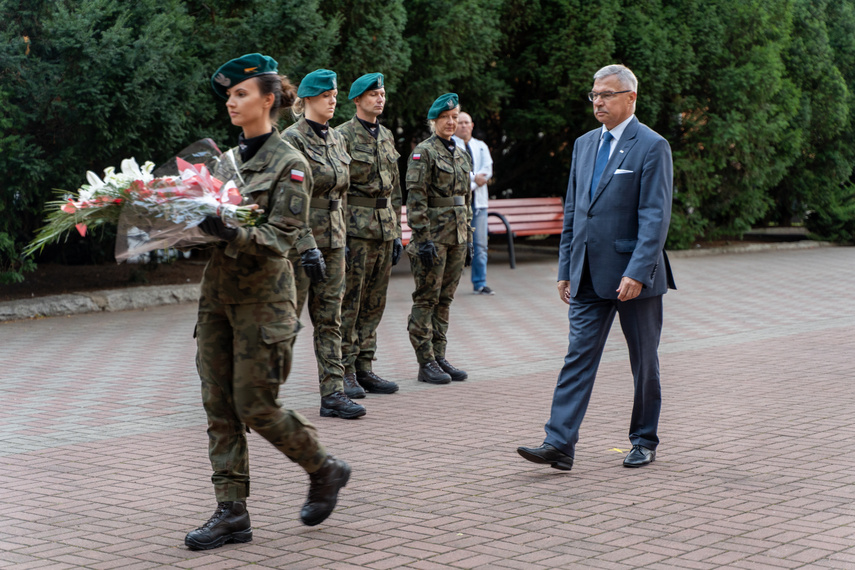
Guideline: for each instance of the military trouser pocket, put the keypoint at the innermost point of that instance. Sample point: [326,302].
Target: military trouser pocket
[279,339]
[274,333]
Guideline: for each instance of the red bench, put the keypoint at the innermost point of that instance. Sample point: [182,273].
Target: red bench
[516,217]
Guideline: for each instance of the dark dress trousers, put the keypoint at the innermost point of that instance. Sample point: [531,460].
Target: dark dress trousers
[617,230]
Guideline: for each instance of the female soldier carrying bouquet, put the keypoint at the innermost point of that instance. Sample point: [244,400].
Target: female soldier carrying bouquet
[327,156]
[247,320]
[439,213]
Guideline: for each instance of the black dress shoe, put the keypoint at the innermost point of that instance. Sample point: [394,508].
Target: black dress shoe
[431,373]
[353,390]
[324,485]
[547,454]
[338,404]
[229,523]
[639,456]
[456,374]
[374,384]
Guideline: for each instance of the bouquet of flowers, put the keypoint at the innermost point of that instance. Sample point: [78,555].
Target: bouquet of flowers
[151,212]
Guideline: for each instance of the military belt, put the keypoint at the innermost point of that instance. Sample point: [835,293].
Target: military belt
[445,202]
[368,202]
[324,204]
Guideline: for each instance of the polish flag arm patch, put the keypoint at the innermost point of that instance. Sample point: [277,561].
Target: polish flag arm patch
[297,175]
[417,157]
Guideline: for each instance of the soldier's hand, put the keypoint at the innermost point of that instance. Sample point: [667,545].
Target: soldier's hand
[314,265]
[347,255]
[397,250]
[428,254]
[470,254]
[214,226]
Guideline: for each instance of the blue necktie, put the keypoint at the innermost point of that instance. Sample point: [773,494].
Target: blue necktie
[602,159]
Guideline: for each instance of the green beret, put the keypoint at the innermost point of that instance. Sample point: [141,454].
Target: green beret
[365,83]
[443,103]
[241,69]
[316,83]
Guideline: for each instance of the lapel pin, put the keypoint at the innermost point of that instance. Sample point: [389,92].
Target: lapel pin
[621,152]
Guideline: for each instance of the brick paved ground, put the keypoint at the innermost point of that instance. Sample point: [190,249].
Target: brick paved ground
[103,449]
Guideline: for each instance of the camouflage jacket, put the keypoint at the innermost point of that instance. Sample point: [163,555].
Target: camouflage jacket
[253,267]
[434,179]
[373,174]
[330,164]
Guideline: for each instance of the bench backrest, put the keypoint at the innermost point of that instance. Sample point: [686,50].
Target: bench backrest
[527,216]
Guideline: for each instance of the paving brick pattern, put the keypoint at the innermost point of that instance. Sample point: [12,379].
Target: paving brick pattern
[103,460]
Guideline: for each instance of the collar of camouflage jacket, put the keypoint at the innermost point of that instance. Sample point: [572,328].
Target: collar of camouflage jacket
[311,137]
[262,158]
[442,145]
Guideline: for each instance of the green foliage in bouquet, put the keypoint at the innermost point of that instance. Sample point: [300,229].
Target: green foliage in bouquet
[63,220]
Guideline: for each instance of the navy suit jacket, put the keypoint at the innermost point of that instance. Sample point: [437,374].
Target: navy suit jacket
[622,228]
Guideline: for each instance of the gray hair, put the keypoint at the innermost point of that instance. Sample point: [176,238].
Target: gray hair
[627,78]
[431,123]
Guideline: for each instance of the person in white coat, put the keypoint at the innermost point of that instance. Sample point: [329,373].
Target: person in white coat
[482,172]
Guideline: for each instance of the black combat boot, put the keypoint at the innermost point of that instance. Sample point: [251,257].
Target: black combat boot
[324,485]
[353,390]
[374,384]
[229,523]
[431,373]
[338,404]
[456,374]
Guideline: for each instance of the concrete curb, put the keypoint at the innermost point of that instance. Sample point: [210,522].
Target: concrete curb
[751,248]
[111,300]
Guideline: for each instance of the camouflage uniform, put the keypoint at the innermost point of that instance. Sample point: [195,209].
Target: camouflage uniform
[372,226]
[438,208]
[247,324]
[329,164]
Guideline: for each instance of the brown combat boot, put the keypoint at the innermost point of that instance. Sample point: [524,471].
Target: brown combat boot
[339,405]
[431,373]
[374,384]
[456,374]
[353,390]
[229,523]
[324,485]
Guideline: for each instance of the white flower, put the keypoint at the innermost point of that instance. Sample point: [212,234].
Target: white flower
[131,169]
[94,181]
[85,194]
[147,169]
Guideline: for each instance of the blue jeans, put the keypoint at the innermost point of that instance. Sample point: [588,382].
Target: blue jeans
[479,263]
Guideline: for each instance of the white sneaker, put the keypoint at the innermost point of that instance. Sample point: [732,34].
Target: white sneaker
[484,291]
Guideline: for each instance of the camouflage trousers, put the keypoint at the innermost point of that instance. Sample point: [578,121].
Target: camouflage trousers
[432,299]
[364,301]
[325,313]
[243,355]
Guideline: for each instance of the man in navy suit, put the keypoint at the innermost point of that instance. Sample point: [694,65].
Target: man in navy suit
[612,259]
